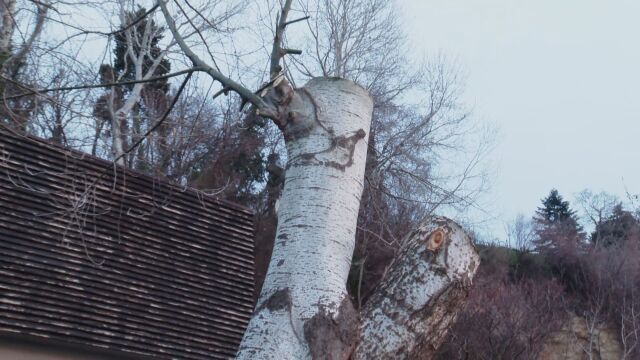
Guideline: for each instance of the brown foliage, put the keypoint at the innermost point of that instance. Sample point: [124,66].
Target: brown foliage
[520,297]
[505,320]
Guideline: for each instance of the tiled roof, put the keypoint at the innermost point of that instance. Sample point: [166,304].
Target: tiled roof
[94,255]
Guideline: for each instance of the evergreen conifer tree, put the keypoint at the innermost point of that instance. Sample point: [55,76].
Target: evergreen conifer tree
[557,226]
[617,229]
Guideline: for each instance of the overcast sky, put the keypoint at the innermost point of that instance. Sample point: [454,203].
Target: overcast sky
[560,81]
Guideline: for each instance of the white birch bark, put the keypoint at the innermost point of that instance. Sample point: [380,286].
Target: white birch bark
[410,313]
[304,311]
[119,118]
[120,112]
[304,294]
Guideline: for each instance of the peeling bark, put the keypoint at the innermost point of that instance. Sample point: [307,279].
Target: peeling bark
[409,314]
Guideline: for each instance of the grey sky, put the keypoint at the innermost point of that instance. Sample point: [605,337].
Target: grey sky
[559,79]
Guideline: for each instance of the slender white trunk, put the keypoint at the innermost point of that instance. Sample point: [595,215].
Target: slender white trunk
[304,307]
[118,121]
[13,59]
[117,141]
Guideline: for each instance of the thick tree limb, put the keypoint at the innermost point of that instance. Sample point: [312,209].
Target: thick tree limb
[409,314]
[304,311]
[271,105]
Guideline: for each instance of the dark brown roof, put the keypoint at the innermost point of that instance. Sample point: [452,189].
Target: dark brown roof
[94,255]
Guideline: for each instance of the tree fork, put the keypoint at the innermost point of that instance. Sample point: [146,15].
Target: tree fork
[304,310]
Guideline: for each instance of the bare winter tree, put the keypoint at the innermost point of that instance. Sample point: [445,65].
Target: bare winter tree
[521,233]
[327,129]
[58,115]
[139,57]
[504,320]
[596,207]
[304,300]
[16,112]
[418,124]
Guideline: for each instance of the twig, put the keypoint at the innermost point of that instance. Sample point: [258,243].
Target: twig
[162,119]
[296,20]
[277,52]
[266,109]
[125,28]
[79,87]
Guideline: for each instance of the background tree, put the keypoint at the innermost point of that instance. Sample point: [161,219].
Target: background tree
[596,207]
[137,57]
[506,320]
[620,227]
[521,233]
[58,115]
[557,224]
[560,238]
[14,53]
[129,114]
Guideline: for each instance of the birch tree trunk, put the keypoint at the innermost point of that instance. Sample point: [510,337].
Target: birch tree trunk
[304,294]
[12,57]
[304,311]
[119,122]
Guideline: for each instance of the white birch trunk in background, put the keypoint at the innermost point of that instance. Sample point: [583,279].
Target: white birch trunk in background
[119,118]
[304,294]
[12,57]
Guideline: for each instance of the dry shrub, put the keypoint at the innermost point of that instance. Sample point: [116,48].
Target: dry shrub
[505,320]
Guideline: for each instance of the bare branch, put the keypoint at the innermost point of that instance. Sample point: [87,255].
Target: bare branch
[276,52]
[296,20]
[161,120]
[264,108]
[79,87]
[115,32]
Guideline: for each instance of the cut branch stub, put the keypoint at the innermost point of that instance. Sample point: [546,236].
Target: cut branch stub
[436,239]
[409,314]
